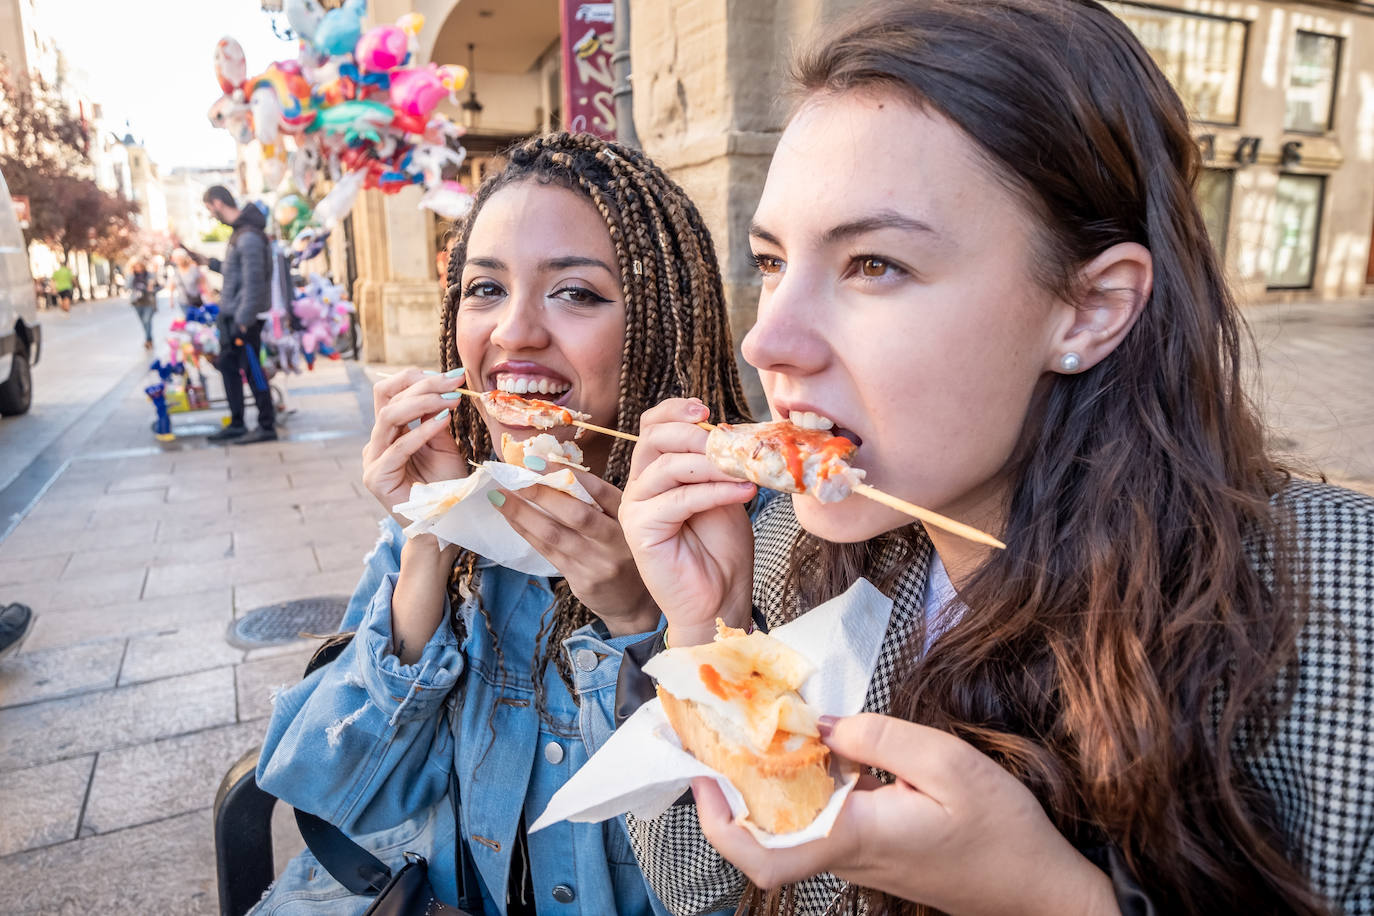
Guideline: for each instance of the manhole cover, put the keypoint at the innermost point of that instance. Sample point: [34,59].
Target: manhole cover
[285,622]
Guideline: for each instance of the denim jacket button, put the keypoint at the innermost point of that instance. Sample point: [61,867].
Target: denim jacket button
[563,893]
[585,660]
[553,753]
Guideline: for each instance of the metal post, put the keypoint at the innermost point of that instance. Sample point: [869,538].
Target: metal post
[621,92]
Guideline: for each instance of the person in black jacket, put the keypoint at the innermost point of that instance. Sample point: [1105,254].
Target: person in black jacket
[247,274]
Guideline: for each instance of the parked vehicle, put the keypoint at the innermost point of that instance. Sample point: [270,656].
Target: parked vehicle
[21,336]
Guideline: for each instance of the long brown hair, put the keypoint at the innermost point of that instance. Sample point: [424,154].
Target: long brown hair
[677,332]
[1124,652]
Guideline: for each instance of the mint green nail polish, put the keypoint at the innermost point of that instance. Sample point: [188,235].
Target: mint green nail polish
[535,463]
[431,372]
[498,499]
[455,373]
[442,415]
[451,395]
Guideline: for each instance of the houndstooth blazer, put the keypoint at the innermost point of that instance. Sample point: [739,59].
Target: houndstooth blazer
[1319,767]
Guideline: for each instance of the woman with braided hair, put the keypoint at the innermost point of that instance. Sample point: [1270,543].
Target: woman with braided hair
[582,275]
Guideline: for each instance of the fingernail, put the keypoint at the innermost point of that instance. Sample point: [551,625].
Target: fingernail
[699,410]
[441,415]
[431,372]
[535,463]
[498,499]
[455,373]
[824,724]
[451,395]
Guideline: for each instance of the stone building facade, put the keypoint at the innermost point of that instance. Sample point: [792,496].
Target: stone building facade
[1282,95]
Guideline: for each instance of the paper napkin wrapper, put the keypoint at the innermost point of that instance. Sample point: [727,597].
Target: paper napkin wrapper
[643,768]
[459,512]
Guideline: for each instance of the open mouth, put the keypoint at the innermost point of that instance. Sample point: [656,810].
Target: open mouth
[530,381]
[809,419]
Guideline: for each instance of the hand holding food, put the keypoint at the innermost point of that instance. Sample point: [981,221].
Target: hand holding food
[397,456]
[982,841]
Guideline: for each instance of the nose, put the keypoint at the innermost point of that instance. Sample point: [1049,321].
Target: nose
[788,335]
[520,324]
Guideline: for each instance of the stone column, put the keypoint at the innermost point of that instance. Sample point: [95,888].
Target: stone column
[708,83]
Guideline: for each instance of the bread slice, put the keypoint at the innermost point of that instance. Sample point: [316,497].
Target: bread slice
[783,788]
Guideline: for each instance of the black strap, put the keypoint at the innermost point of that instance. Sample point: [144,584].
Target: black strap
[350,864]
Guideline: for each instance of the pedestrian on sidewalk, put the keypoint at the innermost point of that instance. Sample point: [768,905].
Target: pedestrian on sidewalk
[188,281]
[16,621]
[62,282]
[143,287]
[247,271]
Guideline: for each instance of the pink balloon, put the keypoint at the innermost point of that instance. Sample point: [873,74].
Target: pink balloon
[381,49]
[416,92]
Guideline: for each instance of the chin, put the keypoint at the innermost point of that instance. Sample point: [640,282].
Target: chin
[846,522]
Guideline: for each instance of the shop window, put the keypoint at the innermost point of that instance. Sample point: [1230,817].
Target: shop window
[1293,234]
[1312,82]
[1203,56]
[1214,199]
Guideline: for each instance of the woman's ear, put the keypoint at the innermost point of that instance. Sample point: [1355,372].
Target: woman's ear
[1114,287]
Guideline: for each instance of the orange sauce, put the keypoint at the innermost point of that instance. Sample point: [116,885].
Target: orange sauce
[729,690]
[793,441]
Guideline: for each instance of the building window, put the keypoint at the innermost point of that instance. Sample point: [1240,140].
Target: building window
[1203,56]
[1214,200]
[1312,82]
[1293,235]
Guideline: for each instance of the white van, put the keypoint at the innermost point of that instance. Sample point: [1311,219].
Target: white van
[21,336]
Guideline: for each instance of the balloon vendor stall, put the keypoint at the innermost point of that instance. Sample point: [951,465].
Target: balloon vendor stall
[352,111]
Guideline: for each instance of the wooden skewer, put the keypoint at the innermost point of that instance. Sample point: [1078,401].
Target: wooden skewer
[887,499]
[927,516]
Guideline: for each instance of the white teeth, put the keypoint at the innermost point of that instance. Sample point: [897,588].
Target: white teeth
[516,384]
[808,419]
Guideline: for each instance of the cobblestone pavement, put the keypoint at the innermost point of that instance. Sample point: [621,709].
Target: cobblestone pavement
[128,703]
[1316,388]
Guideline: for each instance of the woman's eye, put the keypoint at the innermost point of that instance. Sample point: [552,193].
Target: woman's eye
[481,289]
[767,264]
[579,294]
[874,267]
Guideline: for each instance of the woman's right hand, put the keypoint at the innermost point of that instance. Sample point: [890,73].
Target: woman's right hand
[396,456]
[686,526]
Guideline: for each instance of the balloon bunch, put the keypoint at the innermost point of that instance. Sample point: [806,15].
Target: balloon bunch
[348,107]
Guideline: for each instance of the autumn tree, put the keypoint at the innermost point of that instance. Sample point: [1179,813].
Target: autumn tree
[44,148]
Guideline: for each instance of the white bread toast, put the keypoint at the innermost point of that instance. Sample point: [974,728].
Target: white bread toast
[734,706]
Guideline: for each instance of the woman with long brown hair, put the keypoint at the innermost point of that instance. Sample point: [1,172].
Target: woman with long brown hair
[584,276]
[982,259]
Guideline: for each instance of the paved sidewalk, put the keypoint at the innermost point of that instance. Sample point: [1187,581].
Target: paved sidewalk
[1317,387]
[127,704]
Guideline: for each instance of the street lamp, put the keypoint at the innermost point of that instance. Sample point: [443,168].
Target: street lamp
[472,108]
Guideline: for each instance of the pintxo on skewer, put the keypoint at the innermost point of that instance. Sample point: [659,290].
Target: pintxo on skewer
[778,455]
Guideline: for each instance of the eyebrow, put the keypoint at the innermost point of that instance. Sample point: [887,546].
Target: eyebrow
[883,219]
[550,264]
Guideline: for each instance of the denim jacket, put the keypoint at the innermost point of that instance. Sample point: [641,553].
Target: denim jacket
[366,743]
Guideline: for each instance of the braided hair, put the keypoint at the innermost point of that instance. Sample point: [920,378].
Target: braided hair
[677,333]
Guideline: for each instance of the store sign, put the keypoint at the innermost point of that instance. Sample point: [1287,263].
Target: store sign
[588,30]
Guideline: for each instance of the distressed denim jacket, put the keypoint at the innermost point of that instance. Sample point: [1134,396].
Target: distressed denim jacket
[366,743]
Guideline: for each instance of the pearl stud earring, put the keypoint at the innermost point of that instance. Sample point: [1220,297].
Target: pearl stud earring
[1070,362]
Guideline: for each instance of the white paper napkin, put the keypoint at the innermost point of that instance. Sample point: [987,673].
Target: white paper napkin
[459,512]
[643,769]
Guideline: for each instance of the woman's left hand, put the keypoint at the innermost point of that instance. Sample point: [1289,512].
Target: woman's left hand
[955,831]
[586,544]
